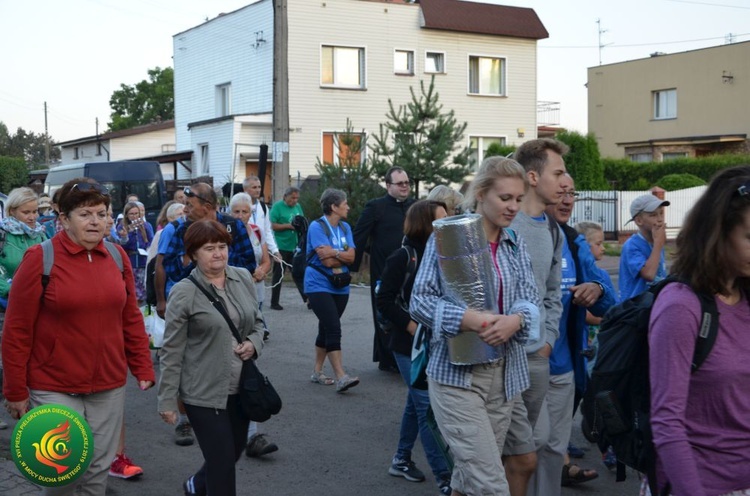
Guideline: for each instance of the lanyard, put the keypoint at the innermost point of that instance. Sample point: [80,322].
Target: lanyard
[336,239]
[255,210]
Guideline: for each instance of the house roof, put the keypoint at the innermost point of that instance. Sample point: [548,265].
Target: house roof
[146,128]
[687,140]
[473,17]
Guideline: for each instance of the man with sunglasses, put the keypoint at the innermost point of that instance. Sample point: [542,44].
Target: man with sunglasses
[173,265]
[379,232]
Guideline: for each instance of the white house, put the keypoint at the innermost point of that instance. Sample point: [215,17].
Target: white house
[154,141]
[346,58]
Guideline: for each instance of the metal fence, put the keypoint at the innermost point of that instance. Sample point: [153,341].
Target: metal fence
[611,209]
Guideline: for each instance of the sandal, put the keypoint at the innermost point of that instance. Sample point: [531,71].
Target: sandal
[579,476]
[321,378]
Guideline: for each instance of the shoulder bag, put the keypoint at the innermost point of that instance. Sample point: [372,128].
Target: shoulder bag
[258,398]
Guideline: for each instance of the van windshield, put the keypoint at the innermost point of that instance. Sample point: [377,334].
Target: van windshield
[147,192]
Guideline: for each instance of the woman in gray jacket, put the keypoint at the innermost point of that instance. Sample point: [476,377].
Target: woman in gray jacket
[201,361]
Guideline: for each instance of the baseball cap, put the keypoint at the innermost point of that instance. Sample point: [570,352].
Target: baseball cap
[645,203]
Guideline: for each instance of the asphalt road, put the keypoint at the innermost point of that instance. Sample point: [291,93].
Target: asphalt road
[332,444]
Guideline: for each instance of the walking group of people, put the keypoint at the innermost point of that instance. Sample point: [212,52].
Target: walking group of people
[501,426]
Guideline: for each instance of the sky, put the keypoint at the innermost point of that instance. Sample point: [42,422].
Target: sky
[75,54]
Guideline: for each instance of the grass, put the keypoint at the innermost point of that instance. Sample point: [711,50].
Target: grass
[612,249]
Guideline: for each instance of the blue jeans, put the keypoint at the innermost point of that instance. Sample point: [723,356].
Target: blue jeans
[414,422]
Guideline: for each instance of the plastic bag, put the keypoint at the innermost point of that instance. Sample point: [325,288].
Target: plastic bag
[154,329]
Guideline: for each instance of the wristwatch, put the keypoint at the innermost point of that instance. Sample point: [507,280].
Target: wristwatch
[337,253]
[522,319]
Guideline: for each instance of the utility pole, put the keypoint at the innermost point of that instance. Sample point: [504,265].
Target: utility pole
[280,109]
[46,137]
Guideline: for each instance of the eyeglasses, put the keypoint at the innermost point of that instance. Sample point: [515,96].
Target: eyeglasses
[90,187]
[571,194]
[189,193]
[402,184]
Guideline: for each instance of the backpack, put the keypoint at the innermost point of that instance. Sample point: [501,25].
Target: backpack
[617,402]
[48,260]
[411,267]
[301,258]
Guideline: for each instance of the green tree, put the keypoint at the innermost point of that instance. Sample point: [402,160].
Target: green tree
[151,100]
[27,145]
[583,161]
[348,172]
[421,138]
[496,149]
[13,173]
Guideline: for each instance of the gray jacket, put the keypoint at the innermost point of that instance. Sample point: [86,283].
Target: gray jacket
[194,363]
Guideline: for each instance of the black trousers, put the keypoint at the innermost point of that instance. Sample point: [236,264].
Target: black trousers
[222,435]
[329,308]
[381,351]
[286,256]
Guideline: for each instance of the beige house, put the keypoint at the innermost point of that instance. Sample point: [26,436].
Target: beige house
[346,58]
[668,106]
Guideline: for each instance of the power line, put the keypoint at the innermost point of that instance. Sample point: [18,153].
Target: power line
[711,4]
[627,45]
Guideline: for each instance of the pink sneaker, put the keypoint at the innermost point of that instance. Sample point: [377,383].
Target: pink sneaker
[124,468]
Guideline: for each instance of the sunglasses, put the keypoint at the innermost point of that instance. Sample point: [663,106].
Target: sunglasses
[189,193]
[744,190]
[90,187]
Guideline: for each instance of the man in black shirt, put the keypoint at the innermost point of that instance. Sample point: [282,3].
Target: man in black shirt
[379,231]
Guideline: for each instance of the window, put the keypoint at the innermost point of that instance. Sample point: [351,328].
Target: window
[403,62]
[434,62]
[486,76]
[342,67]
[223,100]
[341,148]
[641,157]
[665,104]
[673,155]
[478,146]
[98,149]
[205,169]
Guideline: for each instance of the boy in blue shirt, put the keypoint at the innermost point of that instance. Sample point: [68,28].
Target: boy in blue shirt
[642,257]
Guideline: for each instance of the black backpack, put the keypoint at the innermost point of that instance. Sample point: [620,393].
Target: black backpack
[616,405]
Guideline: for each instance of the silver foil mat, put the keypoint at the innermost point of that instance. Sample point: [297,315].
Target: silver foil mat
[466,266]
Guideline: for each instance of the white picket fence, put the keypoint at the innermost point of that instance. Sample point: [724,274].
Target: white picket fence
[611,209]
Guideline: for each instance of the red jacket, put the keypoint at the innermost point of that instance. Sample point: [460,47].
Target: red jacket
[83,334]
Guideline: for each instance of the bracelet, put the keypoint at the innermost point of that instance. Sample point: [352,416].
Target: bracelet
[337,254]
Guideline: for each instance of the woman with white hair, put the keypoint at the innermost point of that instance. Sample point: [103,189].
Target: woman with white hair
[18,231]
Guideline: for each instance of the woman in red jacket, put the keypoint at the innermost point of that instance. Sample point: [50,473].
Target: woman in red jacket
[72,342]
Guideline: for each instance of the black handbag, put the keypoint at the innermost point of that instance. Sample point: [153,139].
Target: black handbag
[338,280]
[258,398]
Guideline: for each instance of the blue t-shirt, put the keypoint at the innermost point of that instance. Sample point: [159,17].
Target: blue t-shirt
[164,238]
[635,252]
[560,361]
[340,239]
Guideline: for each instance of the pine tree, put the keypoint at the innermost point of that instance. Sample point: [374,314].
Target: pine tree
[421,138]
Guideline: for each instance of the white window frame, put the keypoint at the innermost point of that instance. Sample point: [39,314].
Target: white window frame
[503,75]
[409,60]
[362,67]
[223,99]
[662,112]
[435,52]
[205,167]
[480,144]
[337,149]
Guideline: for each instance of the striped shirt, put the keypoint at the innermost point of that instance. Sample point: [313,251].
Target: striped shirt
[430,306]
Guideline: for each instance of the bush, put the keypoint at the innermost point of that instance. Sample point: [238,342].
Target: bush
[673,182]
[496,149]
[625,175]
